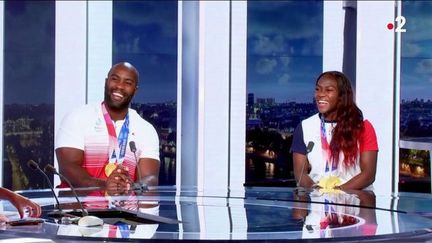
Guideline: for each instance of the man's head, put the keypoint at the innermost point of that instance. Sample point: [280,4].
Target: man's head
[120,86]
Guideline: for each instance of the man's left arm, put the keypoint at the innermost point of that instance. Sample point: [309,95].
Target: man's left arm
[149,169]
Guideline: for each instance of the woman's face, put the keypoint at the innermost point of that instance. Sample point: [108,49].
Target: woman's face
[327,96]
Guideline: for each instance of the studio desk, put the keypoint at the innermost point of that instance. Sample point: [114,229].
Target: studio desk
[255,213]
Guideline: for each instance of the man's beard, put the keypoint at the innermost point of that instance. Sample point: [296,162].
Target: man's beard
[117,106]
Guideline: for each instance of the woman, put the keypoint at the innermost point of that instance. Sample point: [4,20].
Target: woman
[345,145]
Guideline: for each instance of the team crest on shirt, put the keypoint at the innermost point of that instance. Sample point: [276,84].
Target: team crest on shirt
[132,135]
[98,125]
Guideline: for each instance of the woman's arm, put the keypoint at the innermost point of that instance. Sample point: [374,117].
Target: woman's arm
[21,203]
[368,164]
[301,163]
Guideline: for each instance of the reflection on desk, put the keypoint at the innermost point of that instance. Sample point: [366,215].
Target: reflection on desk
[344,211]
[259,213]
[115,228]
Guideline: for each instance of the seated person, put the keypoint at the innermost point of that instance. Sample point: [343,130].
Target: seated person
[345,145]
[93,144]
[21,203]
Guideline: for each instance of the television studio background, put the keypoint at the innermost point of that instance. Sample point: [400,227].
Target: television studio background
[224,83]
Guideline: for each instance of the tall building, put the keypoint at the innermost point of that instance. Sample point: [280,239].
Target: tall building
[250,99]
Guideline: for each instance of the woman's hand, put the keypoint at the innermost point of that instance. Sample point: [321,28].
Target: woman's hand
[25,206]
[3,219]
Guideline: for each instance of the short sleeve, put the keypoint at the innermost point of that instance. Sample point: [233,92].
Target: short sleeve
[368,138]
[71,132]
[145,136]
[150,144]
[298,145]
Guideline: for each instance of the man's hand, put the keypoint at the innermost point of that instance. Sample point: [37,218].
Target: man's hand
[119,180]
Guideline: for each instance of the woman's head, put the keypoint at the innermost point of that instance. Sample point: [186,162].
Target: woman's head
[335,101]
[333,94]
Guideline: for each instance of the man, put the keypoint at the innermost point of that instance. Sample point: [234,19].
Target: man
[93,142]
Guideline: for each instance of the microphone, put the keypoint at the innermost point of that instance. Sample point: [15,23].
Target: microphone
[35,166]
[137,186]
[86,220]
[308,150]
[51,169]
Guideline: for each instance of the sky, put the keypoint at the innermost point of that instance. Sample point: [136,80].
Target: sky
[284,49]
[29,47]
[145,34]
[416,62]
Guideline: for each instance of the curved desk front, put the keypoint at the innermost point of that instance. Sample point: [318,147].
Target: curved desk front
[257,213]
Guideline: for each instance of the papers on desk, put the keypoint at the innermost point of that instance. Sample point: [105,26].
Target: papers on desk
[26,240]
[11,215]
[328,184]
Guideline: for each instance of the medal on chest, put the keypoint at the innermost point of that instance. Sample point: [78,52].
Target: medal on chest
[109,168]
[117,145]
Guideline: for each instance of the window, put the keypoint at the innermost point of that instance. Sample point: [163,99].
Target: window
[284,57]
[416,98]
[28,122]
[145,34]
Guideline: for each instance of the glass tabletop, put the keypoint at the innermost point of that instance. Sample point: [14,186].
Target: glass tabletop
[255,213]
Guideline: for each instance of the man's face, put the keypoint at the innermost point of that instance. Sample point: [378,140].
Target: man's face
[120,87]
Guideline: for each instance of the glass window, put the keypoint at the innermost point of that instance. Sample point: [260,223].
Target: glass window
[28,122]
[284,57]
[145,34]
[416,97]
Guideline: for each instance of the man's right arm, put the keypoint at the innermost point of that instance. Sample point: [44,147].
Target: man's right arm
[70,161]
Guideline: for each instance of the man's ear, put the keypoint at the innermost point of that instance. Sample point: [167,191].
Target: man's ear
[136,89]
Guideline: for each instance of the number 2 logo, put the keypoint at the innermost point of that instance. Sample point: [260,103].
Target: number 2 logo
[400,21]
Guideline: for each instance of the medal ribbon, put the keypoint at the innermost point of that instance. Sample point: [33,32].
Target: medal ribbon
[124,229]
[117,146]
[326,147]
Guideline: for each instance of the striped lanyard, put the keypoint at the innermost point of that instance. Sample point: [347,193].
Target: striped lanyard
[117,146]
[326,147]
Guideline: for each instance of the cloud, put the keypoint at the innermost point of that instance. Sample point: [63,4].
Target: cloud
[410,49]
[284,79]
[417,15]
[265,65]
[285,61]
[293,19]
[129,46]
[160,14]
[36,18]
[424,66]
[266,45]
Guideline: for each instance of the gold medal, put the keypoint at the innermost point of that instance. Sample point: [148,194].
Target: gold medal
[109,168]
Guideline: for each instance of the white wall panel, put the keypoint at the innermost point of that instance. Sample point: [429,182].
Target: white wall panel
[237,136]
[70,59]
[99,47]
[333,39]
[375,77]
[213,123]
